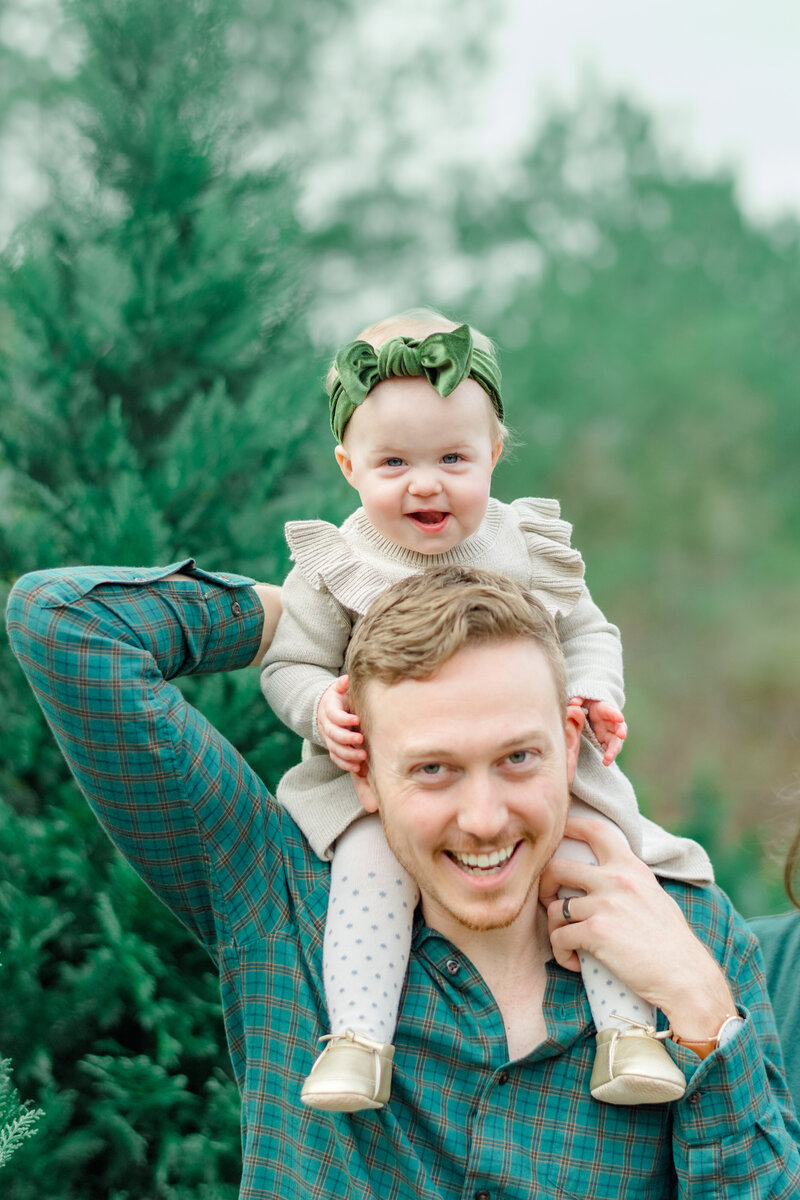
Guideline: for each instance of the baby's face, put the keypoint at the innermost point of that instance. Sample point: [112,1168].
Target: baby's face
[422,463]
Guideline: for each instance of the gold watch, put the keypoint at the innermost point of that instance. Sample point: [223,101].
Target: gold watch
[705,1047]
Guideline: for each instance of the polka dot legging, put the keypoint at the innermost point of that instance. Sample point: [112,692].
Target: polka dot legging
[368,932]
[610,1000]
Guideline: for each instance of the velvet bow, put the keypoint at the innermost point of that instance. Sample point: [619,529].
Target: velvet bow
[444,359]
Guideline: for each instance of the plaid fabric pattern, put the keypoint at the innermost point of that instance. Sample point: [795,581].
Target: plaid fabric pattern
[99,647]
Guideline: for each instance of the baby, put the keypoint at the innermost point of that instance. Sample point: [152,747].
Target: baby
[416,411]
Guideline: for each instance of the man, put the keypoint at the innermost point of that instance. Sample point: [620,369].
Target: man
[457,679]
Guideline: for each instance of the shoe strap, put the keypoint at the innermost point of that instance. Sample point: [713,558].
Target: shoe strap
[638,1029]
[350,1035]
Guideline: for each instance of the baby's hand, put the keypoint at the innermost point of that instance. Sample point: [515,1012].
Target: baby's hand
[608,725]
[335,722]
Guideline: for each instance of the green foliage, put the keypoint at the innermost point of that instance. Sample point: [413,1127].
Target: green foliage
[17,1118]
[156,394]
[738,858]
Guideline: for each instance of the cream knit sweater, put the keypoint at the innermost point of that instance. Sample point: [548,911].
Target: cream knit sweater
[338,572]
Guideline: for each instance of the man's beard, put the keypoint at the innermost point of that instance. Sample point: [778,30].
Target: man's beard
[430,892]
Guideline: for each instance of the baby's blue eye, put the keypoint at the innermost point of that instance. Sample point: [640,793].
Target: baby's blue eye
[394,462]
[450,458]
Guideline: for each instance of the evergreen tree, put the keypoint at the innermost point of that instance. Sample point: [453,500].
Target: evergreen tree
[156,393]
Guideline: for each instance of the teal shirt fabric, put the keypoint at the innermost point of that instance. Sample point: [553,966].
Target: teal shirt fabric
[100,648]
[780,946]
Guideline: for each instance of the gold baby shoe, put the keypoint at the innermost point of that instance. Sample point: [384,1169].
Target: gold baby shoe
[351,1073]
[632,1066]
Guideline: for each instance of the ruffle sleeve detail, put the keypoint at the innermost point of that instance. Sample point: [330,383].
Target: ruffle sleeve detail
[322,554]
[556,567]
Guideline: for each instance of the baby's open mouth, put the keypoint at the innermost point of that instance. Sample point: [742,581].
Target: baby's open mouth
[429,517]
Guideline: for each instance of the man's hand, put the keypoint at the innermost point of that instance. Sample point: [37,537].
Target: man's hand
[608,725]
[336,728]
[627,921]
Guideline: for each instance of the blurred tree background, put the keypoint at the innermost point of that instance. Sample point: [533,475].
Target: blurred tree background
[226,189]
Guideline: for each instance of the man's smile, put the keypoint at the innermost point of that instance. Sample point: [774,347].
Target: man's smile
[482,864]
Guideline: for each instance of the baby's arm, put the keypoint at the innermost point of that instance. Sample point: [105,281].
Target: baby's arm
[306,655]
[593,652]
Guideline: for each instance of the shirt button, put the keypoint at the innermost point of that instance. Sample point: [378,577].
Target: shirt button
[453,966]
[503,1078]
[235,609]
[696,1097]
[483,1195]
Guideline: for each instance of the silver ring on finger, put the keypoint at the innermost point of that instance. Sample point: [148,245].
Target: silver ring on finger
[567,915]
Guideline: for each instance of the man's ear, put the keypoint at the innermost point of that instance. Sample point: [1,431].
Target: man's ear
[365,791]
[573,726]
[345,464]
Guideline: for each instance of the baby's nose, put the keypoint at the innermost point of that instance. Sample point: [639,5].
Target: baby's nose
[424,483]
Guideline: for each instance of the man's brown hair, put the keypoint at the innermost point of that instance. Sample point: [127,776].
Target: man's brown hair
[419,624]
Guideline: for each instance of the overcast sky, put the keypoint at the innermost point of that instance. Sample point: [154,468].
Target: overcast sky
[723,74]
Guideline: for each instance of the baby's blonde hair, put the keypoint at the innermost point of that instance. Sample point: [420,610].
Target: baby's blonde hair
[419,323]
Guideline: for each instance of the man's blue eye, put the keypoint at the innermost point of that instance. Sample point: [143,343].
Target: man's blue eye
[518,756]
[432,768]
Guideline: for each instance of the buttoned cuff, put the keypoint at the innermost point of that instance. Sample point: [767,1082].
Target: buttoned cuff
[727,1091]
[208,622]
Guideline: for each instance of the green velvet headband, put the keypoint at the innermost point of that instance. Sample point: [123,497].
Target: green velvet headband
[444,359]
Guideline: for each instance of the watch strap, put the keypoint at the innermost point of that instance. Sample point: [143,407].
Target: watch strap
[706,1046]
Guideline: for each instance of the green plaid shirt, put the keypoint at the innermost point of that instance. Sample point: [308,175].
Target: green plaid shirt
[99,646]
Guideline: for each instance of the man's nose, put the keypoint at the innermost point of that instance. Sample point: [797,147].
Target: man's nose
[424,482]
[482,810]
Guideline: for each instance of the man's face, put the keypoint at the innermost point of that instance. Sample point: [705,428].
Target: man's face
[470,771]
